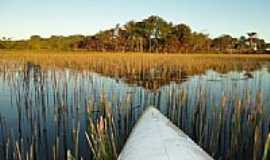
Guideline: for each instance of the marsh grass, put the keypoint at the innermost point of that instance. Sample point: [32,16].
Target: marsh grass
[51,102]
[148,70]
[102,134]
[232,130]
[266,154]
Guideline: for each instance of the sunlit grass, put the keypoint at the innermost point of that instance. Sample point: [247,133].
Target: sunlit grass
[147,70]
[230,130]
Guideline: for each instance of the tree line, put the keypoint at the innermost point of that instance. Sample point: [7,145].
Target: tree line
[153,34]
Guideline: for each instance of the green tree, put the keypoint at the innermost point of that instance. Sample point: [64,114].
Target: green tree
[200,42]
[35,42]
[223,43]
[183,35]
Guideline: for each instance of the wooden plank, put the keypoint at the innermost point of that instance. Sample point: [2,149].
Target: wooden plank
[154,137]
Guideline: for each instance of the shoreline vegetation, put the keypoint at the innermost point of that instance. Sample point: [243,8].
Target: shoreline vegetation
[234,127]
[153,34]
[148,70]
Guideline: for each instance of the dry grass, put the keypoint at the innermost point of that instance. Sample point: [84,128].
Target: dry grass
[234,118]
[131,62]
[138,68]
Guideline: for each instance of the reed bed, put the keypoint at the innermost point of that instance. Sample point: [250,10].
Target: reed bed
[139,67]
[237,128]
[233,129]
[64,111]
[53,114]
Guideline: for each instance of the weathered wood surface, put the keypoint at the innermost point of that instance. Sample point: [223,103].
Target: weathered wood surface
[154,137]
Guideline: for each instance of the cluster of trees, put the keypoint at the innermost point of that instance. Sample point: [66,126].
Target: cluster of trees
[152,34]
[38,43]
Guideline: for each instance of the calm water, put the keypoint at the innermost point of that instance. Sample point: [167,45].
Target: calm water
[45,106]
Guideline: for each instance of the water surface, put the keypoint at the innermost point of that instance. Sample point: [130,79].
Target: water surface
[46,106]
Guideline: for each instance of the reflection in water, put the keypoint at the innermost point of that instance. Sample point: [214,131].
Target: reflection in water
[44,113]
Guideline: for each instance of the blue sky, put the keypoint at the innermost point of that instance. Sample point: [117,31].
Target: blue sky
[21,18]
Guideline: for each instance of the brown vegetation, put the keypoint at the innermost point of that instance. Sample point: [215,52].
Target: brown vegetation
[147,70]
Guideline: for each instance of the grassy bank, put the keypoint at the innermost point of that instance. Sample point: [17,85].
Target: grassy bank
[138,67]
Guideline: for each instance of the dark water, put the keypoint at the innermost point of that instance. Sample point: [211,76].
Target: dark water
[45,107]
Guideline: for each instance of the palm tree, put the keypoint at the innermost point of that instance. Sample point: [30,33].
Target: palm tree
[252,40]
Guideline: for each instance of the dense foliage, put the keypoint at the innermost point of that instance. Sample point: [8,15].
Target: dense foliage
[153,34]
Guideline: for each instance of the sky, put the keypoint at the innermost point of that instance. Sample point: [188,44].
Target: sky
[19,19]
